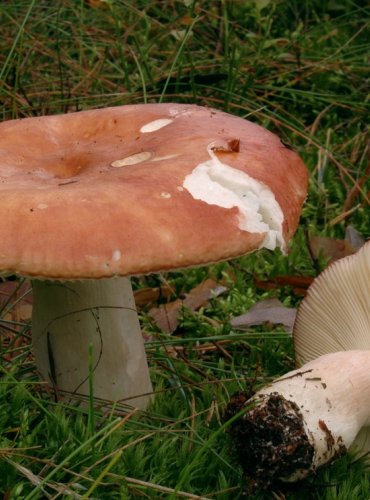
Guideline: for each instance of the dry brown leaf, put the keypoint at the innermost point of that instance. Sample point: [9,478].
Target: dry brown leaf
[266,311]
[19,307]
[98,4]
[299,284]
[149,296]
[166,316]
[354,237]
[330,248]
[16,308]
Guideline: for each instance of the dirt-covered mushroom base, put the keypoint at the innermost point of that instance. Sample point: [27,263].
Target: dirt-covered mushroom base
[269,440]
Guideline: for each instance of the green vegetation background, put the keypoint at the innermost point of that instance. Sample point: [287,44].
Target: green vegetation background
[299,68]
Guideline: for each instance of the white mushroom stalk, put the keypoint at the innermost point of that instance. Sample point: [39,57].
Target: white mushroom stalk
[317,412]
[88,331]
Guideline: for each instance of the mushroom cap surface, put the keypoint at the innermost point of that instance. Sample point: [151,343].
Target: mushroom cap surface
[100,193]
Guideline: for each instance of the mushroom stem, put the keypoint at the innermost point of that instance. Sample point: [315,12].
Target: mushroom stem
[90,326]
[314,414]
[307,418]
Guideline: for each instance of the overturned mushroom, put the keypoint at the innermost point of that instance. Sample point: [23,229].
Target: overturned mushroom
[88,198]
[315,413]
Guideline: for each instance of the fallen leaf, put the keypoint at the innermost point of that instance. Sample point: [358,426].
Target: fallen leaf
[166,316]
[299,284]
[150,296]
[15,309]
[354,237]
[266,311]
[330,248]
[16,300]
[98,4]
[179,35]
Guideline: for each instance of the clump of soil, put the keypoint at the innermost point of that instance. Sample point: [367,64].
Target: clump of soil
[269,440]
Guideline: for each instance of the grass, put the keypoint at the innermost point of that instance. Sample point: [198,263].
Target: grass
[298,68]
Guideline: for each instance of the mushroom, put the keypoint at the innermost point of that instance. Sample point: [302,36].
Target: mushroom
[90,198]
[315,413]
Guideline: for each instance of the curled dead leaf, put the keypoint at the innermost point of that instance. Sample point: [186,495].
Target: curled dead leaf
[266,311]
[166,316]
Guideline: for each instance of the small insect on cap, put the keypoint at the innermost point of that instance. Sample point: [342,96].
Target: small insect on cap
[142,188]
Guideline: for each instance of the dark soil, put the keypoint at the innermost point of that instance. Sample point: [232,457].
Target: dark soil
[269,440]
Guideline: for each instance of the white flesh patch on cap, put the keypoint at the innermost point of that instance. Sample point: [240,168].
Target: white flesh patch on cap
[132,160]
[178,112]
[219,184]
[116,256]
[155,125]
[162,158]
